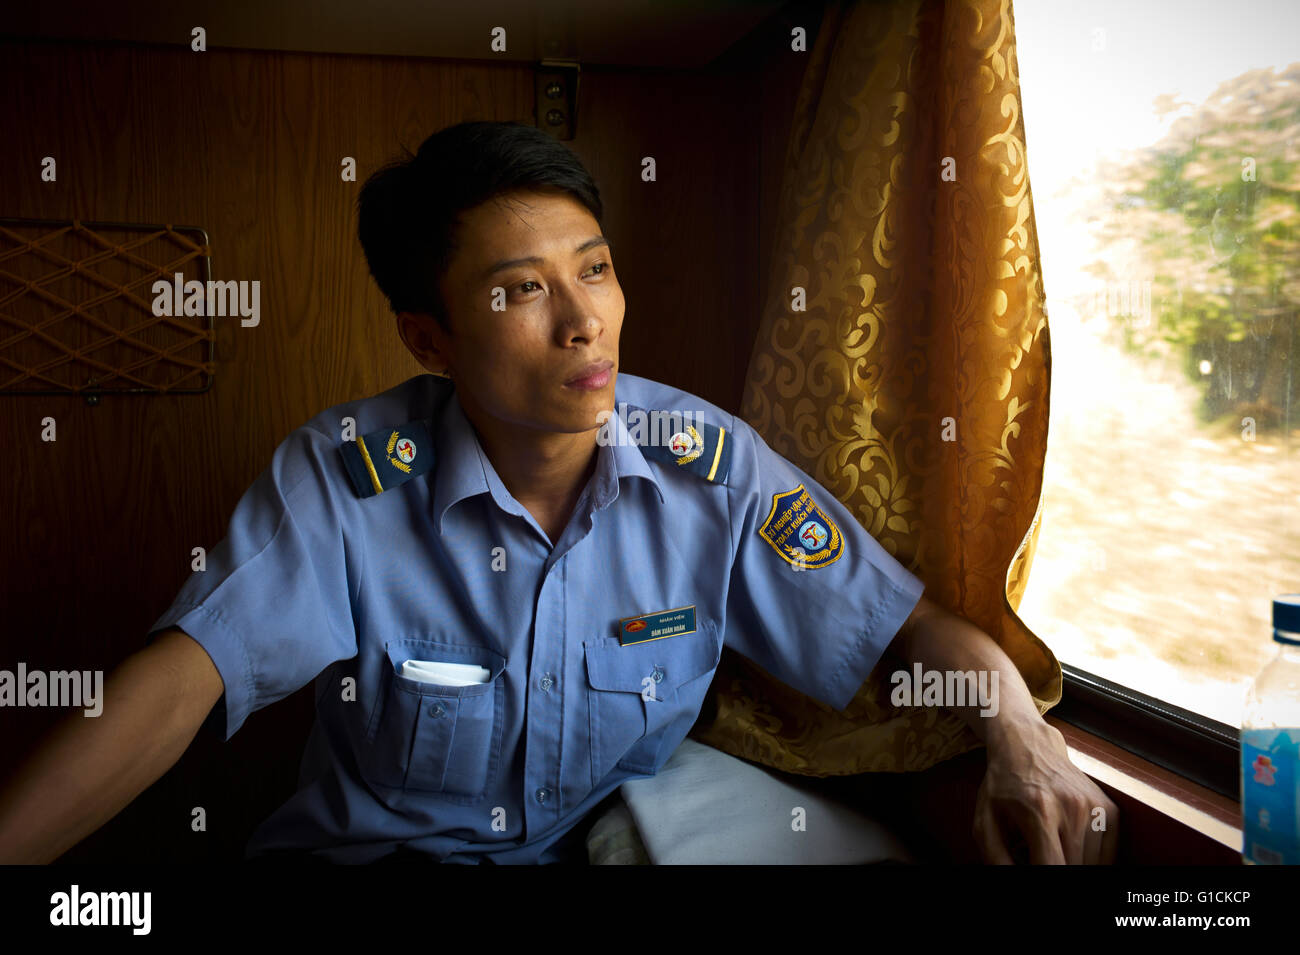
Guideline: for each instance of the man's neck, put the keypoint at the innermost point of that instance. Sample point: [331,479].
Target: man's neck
[545,471]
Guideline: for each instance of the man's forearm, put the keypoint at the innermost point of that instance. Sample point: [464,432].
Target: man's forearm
[945,642]
[85,771]
[1031,793]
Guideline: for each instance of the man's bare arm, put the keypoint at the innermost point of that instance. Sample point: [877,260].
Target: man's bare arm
[86,770]
[940,640]
[1031,786]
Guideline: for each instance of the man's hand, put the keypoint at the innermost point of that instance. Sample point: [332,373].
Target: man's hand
[1032,796]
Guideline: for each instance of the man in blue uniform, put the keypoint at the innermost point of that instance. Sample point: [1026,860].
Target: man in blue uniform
[598,637]
[512,579]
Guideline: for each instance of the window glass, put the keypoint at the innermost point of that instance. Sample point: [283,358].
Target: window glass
[1163,143]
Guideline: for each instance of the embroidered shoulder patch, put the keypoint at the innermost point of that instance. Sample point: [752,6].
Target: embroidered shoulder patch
[801,532]
[386,458]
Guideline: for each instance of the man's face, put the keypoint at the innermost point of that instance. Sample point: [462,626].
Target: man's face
[563,313]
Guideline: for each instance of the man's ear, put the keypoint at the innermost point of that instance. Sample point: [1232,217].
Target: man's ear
[424,339]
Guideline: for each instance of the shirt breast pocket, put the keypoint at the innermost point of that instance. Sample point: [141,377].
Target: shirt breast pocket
[643,694]
[435,738]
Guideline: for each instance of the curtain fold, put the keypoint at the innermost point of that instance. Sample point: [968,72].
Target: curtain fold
[914,386]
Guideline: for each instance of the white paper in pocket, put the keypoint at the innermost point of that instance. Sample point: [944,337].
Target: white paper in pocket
[444,674]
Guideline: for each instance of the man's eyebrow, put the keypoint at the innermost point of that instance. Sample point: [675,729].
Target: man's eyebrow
[591,243]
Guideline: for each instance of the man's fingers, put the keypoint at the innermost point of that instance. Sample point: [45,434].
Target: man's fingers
[1100,845]
[1044,843]
[1092,844]
[1079,843]
[989,838]
[1080,832]
[1110,838]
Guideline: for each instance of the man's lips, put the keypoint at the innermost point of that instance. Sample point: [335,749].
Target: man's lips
[595,375]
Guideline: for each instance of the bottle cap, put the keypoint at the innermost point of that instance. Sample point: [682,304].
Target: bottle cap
[1286,616]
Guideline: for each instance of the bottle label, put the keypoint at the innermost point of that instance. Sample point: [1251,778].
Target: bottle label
[1270,799]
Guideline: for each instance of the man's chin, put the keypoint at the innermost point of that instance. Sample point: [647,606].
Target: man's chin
[571,423]
[585,406]
[571,411]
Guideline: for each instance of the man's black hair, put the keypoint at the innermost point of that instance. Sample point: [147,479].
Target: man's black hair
[407,211]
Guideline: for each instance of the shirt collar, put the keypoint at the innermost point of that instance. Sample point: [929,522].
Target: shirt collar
[462,467]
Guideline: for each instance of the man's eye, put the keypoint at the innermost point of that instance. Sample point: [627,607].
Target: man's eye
[603,266]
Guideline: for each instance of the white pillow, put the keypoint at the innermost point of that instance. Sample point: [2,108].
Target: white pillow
[709,807]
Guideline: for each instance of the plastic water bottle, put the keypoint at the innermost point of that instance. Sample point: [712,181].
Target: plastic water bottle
[1270,749]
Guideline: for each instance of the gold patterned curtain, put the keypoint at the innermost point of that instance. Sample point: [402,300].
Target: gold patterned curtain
[915,384]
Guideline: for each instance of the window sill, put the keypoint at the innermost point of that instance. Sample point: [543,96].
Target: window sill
[1165,819]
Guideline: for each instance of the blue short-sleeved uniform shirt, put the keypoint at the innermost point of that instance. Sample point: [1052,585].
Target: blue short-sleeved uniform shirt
[346,559]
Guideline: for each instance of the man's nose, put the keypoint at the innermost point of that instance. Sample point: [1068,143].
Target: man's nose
[578,318]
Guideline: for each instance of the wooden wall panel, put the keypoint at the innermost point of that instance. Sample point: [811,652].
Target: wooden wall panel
[247,145]
[100,524]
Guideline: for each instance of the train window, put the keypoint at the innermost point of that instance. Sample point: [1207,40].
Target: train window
[1163,144]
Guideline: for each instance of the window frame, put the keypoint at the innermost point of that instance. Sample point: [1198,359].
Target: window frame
[1194,746]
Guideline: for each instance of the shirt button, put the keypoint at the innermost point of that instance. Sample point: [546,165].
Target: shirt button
[436,710]
[547,681]
[543,795]
[657,675]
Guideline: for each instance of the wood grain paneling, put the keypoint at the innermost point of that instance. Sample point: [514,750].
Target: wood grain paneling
[247,145]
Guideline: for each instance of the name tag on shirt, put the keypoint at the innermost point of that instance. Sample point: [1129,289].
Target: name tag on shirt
[656,626]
